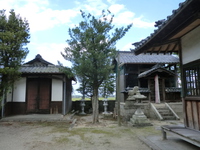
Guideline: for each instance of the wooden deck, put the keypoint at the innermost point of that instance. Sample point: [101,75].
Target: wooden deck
[189,135]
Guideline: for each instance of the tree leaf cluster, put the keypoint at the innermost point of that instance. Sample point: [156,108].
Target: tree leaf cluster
[14,35]
[92,46]
[91,50]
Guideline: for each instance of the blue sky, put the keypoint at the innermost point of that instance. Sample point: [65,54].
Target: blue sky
[50,20]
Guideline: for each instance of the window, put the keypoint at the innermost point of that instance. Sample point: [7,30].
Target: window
[144,83]
[192,80]
[131,80]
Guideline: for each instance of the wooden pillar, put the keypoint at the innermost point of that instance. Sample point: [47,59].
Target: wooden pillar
[163,89]
[164,134]
[64,111]
[149,87]
[157,92]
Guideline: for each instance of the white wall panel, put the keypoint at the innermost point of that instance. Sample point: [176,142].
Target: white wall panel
[191,46]
[57,90]
[19,90]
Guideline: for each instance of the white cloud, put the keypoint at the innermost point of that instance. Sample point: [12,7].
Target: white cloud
[41,17]
[128,17]
[124,18]
[127,47]
[111,1]
[138,22]
[51,52]
[38,13]
[116,8]
[94,6]
[50,18]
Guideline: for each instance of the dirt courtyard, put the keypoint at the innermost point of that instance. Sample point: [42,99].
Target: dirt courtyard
[107,135]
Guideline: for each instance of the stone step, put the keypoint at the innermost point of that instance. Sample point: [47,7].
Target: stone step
[164,111]
[166,114]
[169,117]
[159,105]
[162,108]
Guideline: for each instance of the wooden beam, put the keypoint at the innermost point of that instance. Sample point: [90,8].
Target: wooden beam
[159,49]
[153,48]
[167,48]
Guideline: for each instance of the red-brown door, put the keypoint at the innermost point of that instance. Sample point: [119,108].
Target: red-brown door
[38,95]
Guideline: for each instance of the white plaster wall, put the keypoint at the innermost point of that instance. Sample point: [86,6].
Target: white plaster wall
[19,90]
[191,46]
[57,90]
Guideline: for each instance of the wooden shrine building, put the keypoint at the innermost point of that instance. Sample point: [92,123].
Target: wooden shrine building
[42,88]
[180,33]
[141,70]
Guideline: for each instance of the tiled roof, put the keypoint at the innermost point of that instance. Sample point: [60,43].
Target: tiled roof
[131,58]
[40,69]
[38,59]
[156,68]
[141,90]
[172,89]
[166,38]
[40,66]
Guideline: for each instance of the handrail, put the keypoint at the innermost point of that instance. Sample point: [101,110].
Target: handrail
[167,105]
[156,112]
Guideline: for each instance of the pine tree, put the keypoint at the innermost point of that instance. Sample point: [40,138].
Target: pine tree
[14,35]
[91,50]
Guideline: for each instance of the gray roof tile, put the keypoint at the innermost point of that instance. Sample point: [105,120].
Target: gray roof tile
[155,69]
[40,69]
[40,66]
[131,58]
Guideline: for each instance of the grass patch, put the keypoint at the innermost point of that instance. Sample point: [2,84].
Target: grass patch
[107,133]
[149,130]
[62,139]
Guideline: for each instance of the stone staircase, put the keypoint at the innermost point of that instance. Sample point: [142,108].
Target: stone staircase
[165,112]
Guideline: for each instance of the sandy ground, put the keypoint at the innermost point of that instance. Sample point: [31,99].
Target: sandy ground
[107,135]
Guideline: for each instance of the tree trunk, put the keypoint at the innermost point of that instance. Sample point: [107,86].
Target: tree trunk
[95,106]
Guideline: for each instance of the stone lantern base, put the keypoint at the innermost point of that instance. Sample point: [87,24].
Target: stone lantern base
[139,119]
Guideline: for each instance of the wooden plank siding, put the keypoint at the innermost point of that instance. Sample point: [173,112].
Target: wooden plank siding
[191,92]
[189,114]
[195,115]
[192,108]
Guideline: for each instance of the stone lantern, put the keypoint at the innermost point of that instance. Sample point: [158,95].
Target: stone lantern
[105,104]
[82,106]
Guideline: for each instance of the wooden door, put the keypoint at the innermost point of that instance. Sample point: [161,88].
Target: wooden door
[38,95]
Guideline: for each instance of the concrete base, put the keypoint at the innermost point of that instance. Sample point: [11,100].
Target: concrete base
[139,119]
[128,108]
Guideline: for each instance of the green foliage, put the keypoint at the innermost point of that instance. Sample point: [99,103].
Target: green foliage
[108,86]
[14,35]
[85,89]
[92,48]
[66,70]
